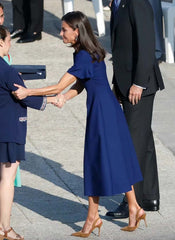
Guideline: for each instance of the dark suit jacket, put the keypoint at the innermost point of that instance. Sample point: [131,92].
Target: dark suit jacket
[133,48]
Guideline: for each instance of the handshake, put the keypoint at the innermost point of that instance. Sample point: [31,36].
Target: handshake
[59,101]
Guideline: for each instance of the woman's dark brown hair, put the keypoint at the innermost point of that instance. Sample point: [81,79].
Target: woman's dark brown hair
[86,39]
[1,6]
[3,32]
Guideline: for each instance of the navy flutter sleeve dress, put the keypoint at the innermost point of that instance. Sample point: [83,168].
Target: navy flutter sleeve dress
[110,162]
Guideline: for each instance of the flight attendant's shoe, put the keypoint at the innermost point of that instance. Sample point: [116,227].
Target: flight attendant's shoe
[6,237]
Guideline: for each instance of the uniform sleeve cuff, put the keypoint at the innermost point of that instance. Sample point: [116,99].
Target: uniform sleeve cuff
[43,106]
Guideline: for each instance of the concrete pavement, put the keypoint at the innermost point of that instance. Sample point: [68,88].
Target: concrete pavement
[50,204]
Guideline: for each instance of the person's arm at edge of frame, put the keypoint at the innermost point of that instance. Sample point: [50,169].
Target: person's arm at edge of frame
[64,82]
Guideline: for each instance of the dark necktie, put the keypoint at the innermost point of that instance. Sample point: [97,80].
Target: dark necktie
[115,6]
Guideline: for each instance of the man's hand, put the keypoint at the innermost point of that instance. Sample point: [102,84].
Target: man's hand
[135,94]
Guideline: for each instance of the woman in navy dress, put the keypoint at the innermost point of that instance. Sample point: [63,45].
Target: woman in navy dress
[110,162]
[13,125]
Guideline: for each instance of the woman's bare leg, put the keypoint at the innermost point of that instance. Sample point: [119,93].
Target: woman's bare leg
[7,177]
[133,207]
[92,214]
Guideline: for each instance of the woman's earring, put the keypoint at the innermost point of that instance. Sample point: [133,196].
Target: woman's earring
[76,38]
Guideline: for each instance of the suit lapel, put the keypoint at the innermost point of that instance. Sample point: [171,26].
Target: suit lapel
[116,19]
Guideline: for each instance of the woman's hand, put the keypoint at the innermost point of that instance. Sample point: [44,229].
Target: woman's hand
[60,101]
[21,92]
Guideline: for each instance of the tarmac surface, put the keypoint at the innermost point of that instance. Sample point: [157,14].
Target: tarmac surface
[51,204]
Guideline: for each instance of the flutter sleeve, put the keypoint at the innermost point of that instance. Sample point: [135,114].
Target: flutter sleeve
[83,66]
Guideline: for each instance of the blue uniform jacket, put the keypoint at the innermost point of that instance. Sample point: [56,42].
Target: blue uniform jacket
[13,113]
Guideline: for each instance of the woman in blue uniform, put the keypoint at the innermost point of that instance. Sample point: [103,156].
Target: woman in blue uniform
[8,59]
[13,125]
[110,162]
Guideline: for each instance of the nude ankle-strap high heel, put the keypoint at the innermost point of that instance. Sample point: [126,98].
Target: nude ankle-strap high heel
[1,235]
[138,219]
[6,237]
[85,235]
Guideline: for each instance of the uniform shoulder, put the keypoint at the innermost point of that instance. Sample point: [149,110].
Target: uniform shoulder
[5,68]
[3,65]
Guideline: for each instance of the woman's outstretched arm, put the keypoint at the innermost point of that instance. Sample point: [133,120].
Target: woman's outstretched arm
[64,82]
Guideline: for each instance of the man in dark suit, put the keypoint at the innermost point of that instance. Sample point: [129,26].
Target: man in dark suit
[158,22]
[136,79]
[27,20]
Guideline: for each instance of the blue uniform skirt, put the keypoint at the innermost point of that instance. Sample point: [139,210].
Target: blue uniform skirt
[11,152]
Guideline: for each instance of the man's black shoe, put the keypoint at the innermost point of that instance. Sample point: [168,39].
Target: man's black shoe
[26,38]
[121,212]
[16,33]
[151,205]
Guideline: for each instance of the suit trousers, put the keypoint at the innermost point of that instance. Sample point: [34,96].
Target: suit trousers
[28,15]
[139,119]
[18,14]
[36,15]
